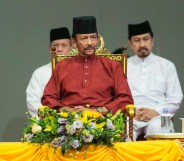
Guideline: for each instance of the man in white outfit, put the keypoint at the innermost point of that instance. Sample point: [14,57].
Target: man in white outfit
[60,40]
[153,81]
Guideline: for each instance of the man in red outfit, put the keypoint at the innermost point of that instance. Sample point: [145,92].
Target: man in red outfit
[87,79]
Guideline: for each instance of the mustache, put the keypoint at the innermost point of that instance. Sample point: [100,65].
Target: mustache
[142,48]
[89,47]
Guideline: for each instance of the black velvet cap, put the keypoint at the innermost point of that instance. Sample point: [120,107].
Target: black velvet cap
[59,33]
[138,29]
[84,25]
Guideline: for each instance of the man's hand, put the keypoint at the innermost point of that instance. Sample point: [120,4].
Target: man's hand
[66,108]
[145,114]
[76,108]
[82,108]
[103,110]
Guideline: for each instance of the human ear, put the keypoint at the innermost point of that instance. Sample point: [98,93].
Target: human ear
[73,42]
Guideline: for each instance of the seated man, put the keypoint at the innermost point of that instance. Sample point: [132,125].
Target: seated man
[60,40]
[153,82]
[87,79]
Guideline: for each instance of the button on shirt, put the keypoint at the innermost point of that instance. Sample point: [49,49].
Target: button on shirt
[144,75]
[154,83]
[86,71]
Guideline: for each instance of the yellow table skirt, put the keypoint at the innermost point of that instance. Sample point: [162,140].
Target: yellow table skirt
[126,151]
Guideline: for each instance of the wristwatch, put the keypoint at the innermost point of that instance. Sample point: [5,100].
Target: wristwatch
[100,109]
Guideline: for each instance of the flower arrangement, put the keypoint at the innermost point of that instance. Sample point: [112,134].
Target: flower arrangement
[74,130]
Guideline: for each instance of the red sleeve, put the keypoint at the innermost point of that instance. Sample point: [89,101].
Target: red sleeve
[122,92]
[51,96]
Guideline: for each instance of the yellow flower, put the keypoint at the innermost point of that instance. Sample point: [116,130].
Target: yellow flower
[41,108]
[88,116]
[48,128]
[91,114]
[41,111]
[64,114]
[84,117]
[96,115]
[99,126]
[51,118]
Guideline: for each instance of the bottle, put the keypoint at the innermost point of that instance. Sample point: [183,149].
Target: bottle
[166,121]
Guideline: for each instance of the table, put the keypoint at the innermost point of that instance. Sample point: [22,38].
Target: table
[159,150]
[167,136]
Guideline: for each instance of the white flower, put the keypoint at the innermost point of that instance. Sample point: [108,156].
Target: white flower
[88,138]
[92,125]
[77,124]
[28,136]
[75,144]
[110,125]
[70,129]
[36,128]
[76,116]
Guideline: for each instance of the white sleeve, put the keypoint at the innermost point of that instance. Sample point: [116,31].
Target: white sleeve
[34,94]
[173,92]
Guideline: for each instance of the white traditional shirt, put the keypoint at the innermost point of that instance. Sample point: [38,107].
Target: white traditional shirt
[154,83]
[36,86]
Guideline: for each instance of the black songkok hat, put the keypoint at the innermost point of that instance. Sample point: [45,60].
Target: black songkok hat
[59,33]
[138,29]
[84,25]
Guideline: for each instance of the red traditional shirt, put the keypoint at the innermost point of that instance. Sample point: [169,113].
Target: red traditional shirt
[93,80]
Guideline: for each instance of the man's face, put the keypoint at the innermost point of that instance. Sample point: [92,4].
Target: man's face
[142,44]
[86,43]
[62,46]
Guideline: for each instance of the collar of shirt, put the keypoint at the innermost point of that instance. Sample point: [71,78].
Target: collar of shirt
[89,59]
[148,59]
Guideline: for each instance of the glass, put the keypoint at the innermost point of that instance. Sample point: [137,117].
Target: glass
[166,121]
